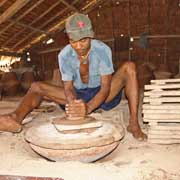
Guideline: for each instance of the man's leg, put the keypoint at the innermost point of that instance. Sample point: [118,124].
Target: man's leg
[38,91]
[126,78]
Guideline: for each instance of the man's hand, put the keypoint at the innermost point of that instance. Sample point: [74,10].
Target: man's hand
[76,110]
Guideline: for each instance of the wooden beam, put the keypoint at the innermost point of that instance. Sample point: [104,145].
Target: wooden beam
[149,36]
[3,2]
[21,16]
[28,26]
[34,21]
[14,54]
[50,50]
[60,26]
[159,36]
[69,6]
[43,25]
[86,9]
[12,10]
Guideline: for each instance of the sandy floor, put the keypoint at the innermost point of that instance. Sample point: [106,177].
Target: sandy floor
[131,160]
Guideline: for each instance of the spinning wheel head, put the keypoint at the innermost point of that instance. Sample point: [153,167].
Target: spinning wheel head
[63,124]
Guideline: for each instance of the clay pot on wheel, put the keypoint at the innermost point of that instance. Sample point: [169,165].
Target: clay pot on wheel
[10,83]
[27,79]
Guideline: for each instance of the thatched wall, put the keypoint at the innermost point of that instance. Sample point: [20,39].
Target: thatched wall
[154,26]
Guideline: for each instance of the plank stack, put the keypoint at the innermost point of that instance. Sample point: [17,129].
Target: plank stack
[161,109]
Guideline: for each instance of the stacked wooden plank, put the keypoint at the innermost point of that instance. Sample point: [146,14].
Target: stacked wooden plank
[161,109]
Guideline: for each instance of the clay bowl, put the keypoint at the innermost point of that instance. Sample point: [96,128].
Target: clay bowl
[47,141]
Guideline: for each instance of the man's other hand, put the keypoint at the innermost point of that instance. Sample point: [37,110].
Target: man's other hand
[76,110]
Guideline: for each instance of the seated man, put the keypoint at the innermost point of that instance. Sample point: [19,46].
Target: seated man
[89,81]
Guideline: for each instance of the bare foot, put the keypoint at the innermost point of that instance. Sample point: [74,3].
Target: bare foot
[137,132]
[9,124]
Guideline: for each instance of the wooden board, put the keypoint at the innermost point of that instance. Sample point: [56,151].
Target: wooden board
[161,120]
[167,106]
[163,132]
[164,116]
[157,93]
[165,127]
[161,109]
[164,136]
[157,81]
[164,141]
[164,86]
[161,100]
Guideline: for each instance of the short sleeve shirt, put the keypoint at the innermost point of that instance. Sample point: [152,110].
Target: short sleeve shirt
[100,63]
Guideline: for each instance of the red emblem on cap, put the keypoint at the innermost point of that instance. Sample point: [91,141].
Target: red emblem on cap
[81,24]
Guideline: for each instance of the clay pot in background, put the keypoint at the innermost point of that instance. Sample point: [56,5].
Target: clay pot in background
[174,67]
[56,78]
[163,67]
[1,89]
[162,75]
[162,72]
[39,75]
[48,75]
[1,73]
[144,74]
[27,79]
[178,73]
[10,83]
[1,86]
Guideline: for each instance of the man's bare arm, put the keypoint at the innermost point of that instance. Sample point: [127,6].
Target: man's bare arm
[75,109]
[101,96]
[69,91]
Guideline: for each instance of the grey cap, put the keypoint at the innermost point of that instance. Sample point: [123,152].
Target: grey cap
[78,26]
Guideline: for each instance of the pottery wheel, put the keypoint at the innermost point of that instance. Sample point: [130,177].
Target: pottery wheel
[48,140]
[88,124]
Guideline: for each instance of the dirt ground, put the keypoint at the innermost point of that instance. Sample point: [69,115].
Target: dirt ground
[131,160]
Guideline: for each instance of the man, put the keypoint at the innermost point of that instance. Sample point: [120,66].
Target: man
[86,67]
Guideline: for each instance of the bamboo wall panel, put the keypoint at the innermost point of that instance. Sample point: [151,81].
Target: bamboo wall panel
[130,18]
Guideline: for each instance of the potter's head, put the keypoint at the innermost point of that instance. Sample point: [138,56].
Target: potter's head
[78,26]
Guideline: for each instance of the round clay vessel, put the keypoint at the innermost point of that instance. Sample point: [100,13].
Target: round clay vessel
[49,142]
[162,71]
[10,83]
[85,155]
[163,67]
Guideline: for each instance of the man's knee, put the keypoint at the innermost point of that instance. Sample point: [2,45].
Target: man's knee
[35,87]
[130,68]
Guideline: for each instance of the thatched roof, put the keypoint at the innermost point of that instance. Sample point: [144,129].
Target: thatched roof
[25,22]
